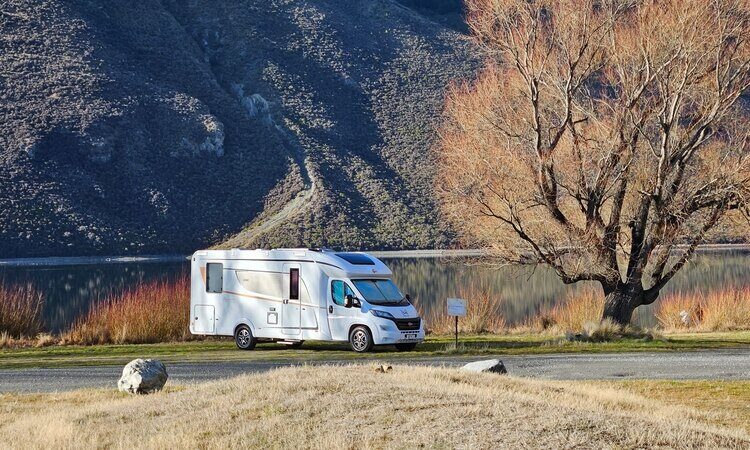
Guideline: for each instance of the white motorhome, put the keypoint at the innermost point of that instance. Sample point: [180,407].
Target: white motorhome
[293,295]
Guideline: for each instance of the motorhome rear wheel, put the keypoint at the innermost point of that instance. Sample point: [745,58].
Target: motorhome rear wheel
[244,339]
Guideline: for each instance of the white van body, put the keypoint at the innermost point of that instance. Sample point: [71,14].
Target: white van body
[294,295]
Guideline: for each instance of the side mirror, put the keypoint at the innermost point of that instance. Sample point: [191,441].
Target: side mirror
[348,301]
[408,298]
[356,303]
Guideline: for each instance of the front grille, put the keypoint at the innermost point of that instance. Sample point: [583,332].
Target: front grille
[408,324]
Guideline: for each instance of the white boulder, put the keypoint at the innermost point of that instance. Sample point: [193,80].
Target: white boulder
[143,376]
[487,365]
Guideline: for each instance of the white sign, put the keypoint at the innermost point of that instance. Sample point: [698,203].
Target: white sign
[456,307]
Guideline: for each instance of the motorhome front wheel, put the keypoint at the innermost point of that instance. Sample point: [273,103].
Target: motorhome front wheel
[360,339]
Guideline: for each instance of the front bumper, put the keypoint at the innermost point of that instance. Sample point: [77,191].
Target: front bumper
[388,333]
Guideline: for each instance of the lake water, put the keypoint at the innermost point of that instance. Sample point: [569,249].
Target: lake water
[71,290]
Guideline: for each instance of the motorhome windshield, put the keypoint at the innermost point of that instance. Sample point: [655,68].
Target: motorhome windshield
[380,292]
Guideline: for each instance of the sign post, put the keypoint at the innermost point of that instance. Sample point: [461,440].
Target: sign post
[456,308]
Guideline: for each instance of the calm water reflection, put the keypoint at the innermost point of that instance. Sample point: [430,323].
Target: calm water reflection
[70,290]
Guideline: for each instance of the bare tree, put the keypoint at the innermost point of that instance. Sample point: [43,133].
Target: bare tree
[604,138]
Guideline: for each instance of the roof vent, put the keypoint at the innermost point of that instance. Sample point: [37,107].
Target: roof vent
[358,259]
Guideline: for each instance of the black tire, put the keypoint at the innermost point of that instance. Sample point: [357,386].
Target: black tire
[244,338]
[360,339]
[406,347]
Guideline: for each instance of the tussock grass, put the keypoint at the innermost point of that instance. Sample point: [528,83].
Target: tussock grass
[725,310]
[20,312]
[579,317]
[577,311]
[41,340]
[483,314]
[607,330]
[678,312]
[147,313]
[407,407]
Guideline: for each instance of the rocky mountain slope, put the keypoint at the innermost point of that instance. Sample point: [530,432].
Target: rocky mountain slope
[166,126]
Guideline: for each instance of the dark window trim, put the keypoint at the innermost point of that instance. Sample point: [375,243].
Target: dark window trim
[294,284]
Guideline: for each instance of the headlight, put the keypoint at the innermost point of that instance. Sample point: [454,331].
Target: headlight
[383,314]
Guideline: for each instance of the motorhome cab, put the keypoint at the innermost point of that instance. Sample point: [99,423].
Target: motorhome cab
[293,295]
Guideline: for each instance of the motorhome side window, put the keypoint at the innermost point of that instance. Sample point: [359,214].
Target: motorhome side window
[214,277]
[339,290]
[293,284]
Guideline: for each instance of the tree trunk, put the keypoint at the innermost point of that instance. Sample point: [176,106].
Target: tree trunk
[620,303]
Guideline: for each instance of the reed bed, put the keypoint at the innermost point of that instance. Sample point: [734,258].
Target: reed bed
[483,314]
[20,311]
[147,313]
[159,312]
[725,310]
[578,314]
[577,311]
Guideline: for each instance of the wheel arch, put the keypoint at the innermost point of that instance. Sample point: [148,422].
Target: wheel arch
[241,322]
[355,325]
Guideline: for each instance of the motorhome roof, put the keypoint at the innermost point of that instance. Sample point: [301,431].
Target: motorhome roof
[353,264]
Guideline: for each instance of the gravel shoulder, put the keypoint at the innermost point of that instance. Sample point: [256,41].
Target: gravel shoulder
[697,365]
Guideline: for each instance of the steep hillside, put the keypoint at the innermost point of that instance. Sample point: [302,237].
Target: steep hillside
[165,126]
[448,12]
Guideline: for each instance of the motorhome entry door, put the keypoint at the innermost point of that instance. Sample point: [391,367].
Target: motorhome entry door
[291,309]
[204,319]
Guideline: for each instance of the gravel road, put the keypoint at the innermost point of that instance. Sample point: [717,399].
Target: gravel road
[714,364]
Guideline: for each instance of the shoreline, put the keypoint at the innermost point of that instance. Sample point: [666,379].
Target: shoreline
[59,261]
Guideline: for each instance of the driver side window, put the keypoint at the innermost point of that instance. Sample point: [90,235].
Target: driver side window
[339,291]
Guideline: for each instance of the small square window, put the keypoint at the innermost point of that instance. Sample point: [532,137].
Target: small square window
[214,277]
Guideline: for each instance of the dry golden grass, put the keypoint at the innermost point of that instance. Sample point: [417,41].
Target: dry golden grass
[41,340]
[147,313]
[677,311]
[356,407]
[578,309]
[726,402]
[483,314]
[725,310]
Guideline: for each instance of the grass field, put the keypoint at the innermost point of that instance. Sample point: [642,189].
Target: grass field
[727,402]
[222,350]
[356,407]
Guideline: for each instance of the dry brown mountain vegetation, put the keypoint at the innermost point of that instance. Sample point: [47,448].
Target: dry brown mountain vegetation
[356,407]
[174,125]
[604,139]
